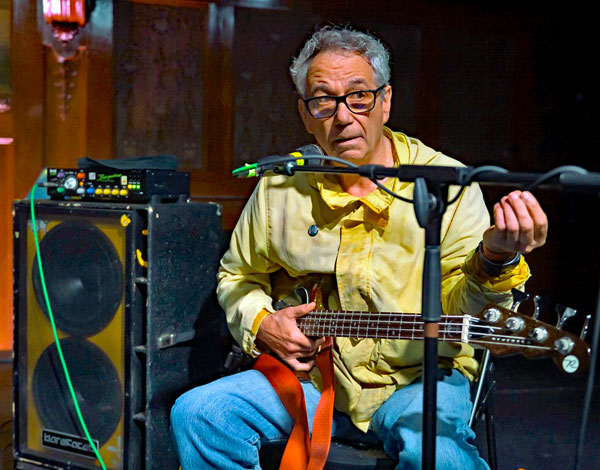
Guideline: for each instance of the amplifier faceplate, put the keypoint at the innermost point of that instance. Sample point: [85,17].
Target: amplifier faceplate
[105,184]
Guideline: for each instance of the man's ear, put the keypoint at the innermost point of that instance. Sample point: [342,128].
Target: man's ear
[387,103]
[306,117]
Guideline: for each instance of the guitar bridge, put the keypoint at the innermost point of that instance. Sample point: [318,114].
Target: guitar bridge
[464,333]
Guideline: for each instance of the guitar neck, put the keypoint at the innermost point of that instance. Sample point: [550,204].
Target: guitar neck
[389,325]
[501,331]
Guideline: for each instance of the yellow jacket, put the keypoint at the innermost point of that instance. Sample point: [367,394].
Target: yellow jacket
[373,249]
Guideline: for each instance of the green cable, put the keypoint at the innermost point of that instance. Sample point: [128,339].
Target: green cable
[58,348]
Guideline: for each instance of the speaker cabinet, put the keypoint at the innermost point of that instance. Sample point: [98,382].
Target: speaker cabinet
[131,289]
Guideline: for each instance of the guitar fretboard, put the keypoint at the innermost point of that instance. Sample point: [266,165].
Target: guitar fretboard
[390,325]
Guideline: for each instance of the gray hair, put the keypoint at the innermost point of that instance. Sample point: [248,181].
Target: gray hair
[334,38]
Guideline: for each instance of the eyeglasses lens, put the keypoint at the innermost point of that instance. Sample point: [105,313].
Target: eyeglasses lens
[357,102]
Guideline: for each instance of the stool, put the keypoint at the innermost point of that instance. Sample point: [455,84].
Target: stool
[342,456]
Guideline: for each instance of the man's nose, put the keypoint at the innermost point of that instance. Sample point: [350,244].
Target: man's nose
[343,114]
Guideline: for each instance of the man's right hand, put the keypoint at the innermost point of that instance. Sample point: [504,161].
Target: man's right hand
[279,332]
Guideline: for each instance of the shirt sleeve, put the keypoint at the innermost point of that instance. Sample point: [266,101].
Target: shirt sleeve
[466,286]
[243,286]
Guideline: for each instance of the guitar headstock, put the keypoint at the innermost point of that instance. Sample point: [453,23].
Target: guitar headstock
[505,332]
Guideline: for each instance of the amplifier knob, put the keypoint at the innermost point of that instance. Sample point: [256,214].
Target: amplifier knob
[70,182]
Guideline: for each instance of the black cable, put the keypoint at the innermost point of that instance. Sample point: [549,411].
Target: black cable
[468,180]
[555,172]
[389,191]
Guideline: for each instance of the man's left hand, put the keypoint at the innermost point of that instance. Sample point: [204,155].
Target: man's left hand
[520,226]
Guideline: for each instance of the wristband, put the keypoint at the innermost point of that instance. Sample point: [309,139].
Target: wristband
[492,267]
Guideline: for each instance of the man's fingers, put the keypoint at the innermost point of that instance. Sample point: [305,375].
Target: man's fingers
[499,217]
[303,309]
[540,220]
[525,225]
[512,223]
[299,366]
[520,224]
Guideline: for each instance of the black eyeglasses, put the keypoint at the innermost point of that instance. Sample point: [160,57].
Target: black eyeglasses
[362,101]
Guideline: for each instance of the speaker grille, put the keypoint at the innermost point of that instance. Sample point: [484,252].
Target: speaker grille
[83,276]
[96,384]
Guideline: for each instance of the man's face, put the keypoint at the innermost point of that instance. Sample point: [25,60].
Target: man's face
[353,137]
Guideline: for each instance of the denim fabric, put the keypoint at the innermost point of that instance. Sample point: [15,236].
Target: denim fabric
[221,425]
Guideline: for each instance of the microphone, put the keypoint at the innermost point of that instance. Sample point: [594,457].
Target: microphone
[305,155]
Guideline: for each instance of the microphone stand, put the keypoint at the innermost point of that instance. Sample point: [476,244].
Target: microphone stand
[430,202]
[430,199]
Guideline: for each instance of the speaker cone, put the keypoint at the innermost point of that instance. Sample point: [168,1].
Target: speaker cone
[83,277]
[96,384]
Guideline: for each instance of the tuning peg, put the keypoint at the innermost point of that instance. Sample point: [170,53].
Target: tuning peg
[586,324]
[564,314]
[536,306]
[518,298]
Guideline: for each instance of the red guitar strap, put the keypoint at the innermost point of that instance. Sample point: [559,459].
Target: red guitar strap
[302,453]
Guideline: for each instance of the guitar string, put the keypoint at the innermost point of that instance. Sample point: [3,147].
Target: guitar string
[448,320]
[473,336]
[527,346]
[359,323]
[476,341]
[472,340]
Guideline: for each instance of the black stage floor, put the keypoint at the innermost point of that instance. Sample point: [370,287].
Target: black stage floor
[538,415]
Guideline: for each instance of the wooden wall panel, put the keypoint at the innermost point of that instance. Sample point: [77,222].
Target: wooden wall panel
[27,70]
[6,255]
[4,49]
[175,93]
[7,185]
[63,106]
[161,79]
[266,120]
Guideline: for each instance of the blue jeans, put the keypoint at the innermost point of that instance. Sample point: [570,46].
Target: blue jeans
[221,425]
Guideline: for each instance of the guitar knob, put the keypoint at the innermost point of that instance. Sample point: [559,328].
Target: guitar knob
[515,324]
[564,345]
[492,315]
[539,334]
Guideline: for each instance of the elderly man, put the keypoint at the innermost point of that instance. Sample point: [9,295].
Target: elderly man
[368,248]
